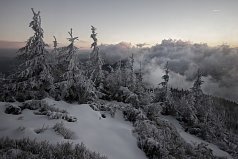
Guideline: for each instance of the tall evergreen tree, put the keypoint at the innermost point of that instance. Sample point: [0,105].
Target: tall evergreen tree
[119,73]
[132,73]
[95,61]
[71,58]
[55,42]
[166,80]
[139,81]
[74,85]
[161,94]
[144,95]
[196,89]
[34,73]
[198,100]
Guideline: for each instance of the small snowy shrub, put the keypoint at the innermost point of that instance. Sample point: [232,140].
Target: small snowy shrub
[125,95]
[18,154]
[42,129]
[113,111]
[105,106]
[42,108]
[34,104]
[153,110]
[21,128]
[59,115]
[159,140]
[71,119]
[100,106]
[20,118]
[203,151]
[133,99]
[30,149]
[94,106]
[62,130]
[103,115]
[12,109]
[132,114]
[46,107]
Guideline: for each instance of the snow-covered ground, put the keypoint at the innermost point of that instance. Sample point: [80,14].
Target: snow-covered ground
[109,136]
[191,139]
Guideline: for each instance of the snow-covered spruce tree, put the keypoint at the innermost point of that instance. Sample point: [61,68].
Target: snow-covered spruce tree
[192,106]
[95,62]
[118,74]
[196,95]
[185,110]
[163,94]
[55,42]
[196,89]
[113,80]
[165,83]
[144,95]
[3,89]
[73,84]
[126,73]
[33,78]
[199,101]
[54,53]
[132,74]
[139,81]
[117,84]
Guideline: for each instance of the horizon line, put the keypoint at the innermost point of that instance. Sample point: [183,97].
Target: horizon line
[7,44]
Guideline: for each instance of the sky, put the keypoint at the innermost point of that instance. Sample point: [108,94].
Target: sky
[136,21]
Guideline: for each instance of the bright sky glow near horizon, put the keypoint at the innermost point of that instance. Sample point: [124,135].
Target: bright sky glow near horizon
[137,21]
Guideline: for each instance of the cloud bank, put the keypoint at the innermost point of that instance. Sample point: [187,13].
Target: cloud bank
[219,65]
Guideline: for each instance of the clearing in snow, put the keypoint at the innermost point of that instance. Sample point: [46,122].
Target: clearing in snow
[109,136]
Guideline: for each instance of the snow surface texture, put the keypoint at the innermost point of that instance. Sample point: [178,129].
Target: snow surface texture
[108,136]
[193,140]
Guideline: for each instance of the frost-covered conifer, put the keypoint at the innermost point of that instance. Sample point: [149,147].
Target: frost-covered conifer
[71,39]
[139,82]
[166,80]
[114,79]
[196,89]
[118,73]
[72,72]
[55,42]
[55,52]
[95,61]
[66,53]
[198,100]
[161,94]
[132,74]
[74,85]
[144,95]
[34,73]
